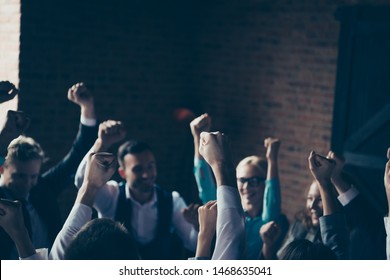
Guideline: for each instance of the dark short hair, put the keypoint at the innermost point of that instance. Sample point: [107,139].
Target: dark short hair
[302,249]
[102,239]
[131,147]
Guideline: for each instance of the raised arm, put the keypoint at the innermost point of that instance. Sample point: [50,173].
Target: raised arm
[230,241]
[100,167]
[64,170]
[272,197]
[207,226]
[202,172]
[333,226]
[340,184]
[110,132]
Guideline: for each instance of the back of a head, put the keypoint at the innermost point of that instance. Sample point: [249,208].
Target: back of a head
[303,249]
[24,149]
[102,239]
[131,147]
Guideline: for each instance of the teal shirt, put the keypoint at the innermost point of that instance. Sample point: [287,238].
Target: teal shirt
[204,180]
[271,212]
[271,206]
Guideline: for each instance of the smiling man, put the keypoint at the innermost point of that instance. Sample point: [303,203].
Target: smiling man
[147,210]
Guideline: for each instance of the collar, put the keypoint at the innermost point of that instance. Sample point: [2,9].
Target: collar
[150,202]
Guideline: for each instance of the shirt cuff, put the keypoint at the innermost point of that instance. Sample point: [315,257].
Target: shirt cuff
[348,196]
[87,121]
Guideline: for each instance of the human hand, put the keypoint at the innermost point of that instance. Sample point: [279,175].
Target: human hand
[80,95]
[200,124]
[320,167]
[11,216]
[208,218]
[110,132]
[100,167]
[214,148]
[7,91]
[272,145]
[190,214]
[339,165]
[270,233]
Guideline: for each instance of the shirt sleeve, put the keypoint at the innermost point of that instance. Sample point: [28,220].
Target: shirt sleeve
[87,121]
[230,241]
[272,201]
[204,180]
[186,231]
[79,177]
[387,227]
[78,217]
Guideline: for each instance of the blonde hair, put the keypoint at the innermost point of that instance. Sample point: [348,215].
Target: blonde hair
[256,161]
[24,149]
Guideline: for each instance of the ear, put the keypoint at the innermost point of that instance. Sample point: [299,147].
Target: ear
[121,172]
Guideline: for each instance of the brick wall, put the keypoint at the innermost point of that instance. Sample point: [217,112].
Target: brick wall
[260,68]
[9,48]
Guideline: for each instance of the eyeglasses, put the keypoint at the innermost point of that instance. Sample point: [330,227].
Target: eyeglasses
[252,181]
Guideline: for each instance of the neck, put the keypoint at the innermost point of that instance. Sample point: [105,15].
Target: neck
[141,197]
[253,210]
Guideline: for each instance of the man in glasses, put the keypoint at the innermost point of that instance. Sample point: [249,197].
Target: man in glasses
[257,182]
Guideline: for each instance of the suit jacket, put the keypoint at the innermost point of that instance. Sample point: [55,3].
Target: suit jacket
[43,196]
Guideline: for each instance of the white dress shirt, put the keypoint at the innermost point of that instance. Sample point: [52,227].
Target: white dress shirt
[144,216]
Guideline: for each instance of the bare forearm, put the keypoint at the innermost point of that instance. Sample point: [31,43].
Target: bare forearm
[329,201]
[341,185]
[100,146]
[88,111]
[203,248]
[86,194]
[224,174]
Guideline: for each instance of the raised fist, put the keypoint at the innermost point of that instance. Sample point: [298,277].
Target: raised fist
[272,145]
[100,167]
[111,132]
[80,95]
[7,91]
[214,147]
[320,167]
[200,124]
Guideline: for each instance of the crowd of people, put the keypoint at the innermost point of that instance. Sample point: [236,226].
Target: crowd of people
[134,218]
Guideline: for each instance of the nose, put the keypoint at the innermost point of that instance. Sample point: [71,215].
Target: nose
[244,185]
[145,174]
[314,204]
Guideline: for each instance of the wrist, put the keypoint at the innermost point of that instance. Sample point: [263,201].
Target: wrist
[88,111]
[100,146]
